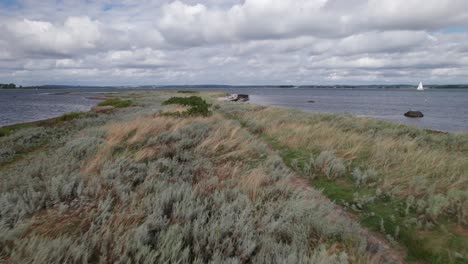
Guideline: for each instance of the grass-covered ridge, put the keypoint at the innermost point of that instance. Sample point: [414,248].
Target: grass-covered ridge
[406,183]
[137,186]
[155,184]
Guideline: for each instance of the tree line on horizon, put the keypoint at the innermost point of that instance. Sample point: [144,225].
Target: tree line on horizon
[8,86]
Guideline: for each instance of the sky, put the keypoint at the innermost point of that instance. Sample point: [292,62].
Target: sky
[298,42]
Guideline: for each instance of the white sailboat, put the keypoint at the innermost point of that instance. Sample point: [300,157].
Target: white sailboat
[420,87]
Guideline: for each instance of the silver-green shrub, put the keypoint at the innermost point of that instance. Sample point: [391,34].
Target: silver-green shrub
[171,208]
[330,165]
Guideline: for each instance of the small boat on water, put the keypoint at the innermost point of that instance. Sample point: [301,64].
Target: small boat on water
[420,87]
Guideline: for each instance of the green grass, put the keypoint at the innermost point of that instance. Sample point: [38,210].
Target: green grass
[383,210]
[198,106]
[4,132]
[385,213]
[70,116]
[8,130]
[116,102]
[188,92]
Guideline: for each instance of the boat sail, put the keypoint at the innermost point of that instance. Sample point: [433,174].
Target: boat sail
[420,87]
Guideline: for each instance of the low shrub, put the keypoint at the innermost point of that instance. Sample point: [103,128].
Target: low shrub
[364,177]
[197,105]
[332,166]
[21,141]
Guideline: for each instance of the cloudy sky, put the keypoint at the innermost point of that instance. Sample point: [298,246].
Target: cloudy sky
[103,42]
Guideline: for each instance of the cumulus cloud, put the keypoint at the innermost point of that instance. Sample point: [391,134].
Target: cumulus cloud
[42,37]
[234,42]
[278,19]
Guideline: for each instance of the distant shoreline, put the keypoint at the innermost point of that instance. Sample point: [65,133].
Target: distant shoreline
[51,121]
[97,96]
[210,86]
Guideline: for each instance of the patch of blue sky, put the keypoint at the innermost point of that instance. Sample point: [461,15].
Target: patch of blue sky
[455,30]
[9,3]
[109,7]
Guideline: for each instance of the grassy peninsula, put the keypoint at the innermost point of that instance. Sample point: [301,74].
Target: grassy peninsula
[180,177]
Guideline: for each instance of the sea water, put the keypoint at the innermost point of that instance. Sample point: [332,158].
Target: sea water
[443,109]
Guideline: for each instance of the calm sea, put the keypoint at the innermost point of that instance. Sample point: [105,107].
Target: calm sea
[444,109]
[18,106]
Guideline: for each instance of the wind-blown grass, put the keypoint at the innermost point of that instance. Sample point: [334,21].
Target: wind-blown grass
[137,186]
[407,183]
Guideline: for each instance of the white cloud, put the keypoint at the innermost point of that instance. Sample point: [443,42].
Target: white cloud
[236,42]
[277,19]
[75,34]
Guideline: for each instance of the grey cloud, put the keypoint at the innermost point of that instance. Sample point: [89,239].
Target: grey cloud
[277,19]
[234,42]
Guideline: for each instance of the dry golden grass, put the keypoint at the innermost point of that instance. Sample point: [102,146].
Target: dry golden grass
[175,108]
[93,165]
[253,182]
[135,131]
[229,142]
[52,223]
[403,164]
[227,170]
[144,127]
[147,153]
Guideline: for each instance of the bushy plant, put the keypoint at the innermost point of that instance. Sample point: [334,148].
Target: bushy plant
[363,178]
[22,141]
[197,105]
[330,165]
[436,205]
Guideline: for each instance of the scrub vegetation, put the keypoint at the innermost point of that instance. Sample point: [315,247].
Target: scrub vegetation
[188,92]
[221,185]
[407,183]
[116,102]
[138,186]
[71,116]
[196,106]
